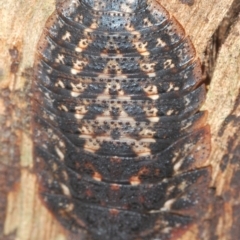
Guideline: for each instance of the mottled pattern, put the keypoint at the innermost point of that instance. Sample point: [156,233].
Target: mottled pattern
[119,141]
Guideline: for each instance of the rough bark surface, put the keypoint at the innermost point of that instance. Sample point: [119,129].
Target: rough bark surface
[22,215]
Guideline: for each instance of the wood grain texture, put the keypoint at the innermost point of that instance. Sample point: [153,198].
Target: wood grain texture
[22,214]
[200,19]
[223,103]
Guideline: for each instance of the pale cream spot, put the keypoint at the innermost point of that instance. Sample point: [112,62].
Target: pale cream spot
[150,89]
[147,22]
[142,154]
[176,155]
[170,87]
[64,108]
[49,70]
[160,43]
[75,94]
[50,181]
[183,186]
[168,64]
[45,115]
[60,59]
[48,96]
[91,144]
[75,71]
[83,44]
[147,140]
[186,126]
[94,25]
[145,53]
[60,84]
[44,146]
[170,189]
[65,190]
[147,132]
[61,24]
[69,207]
[137,34]
[78,18]
[186,198]
[109,118]
[198,148]
[166,230]
[65,176]
[142,147]
[67,36]
[54,167]
[112,65]
[151,74]
[79,64]
[126,8]
[147,67]
[81,109]
[179,163]
[80,87]
[167,205]
[154,97]
[153,119]
[97,176]
[59,153]
[134,180]
[111,44]
[122,76]
[187,147]
[78,116]
[106,113]
[85,130]
[129,27]
[85,136]
[152,112]
[116,56]
[187,101]
[88,30]
[77,49]
[103,97]
[55,137]
[107,97]
[50,130]
[52,46]
[141,47]
[99,5]
[51,118]
[113,86]
[47,80]
[61,144]
[169,112]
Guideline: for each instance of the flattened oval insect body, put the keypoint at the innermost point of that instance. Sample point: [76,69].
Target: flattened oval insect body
[119,140]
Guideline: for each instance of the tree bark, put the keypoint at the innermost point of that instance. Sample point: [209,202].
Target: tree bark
[22,215]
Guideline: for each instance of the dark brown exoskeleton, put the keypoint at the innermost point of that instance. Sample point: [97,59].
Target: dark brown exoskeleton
[120,144]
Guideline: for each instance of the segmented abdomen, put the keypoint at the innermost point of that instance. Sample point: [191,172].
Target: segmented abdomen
[119,141]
